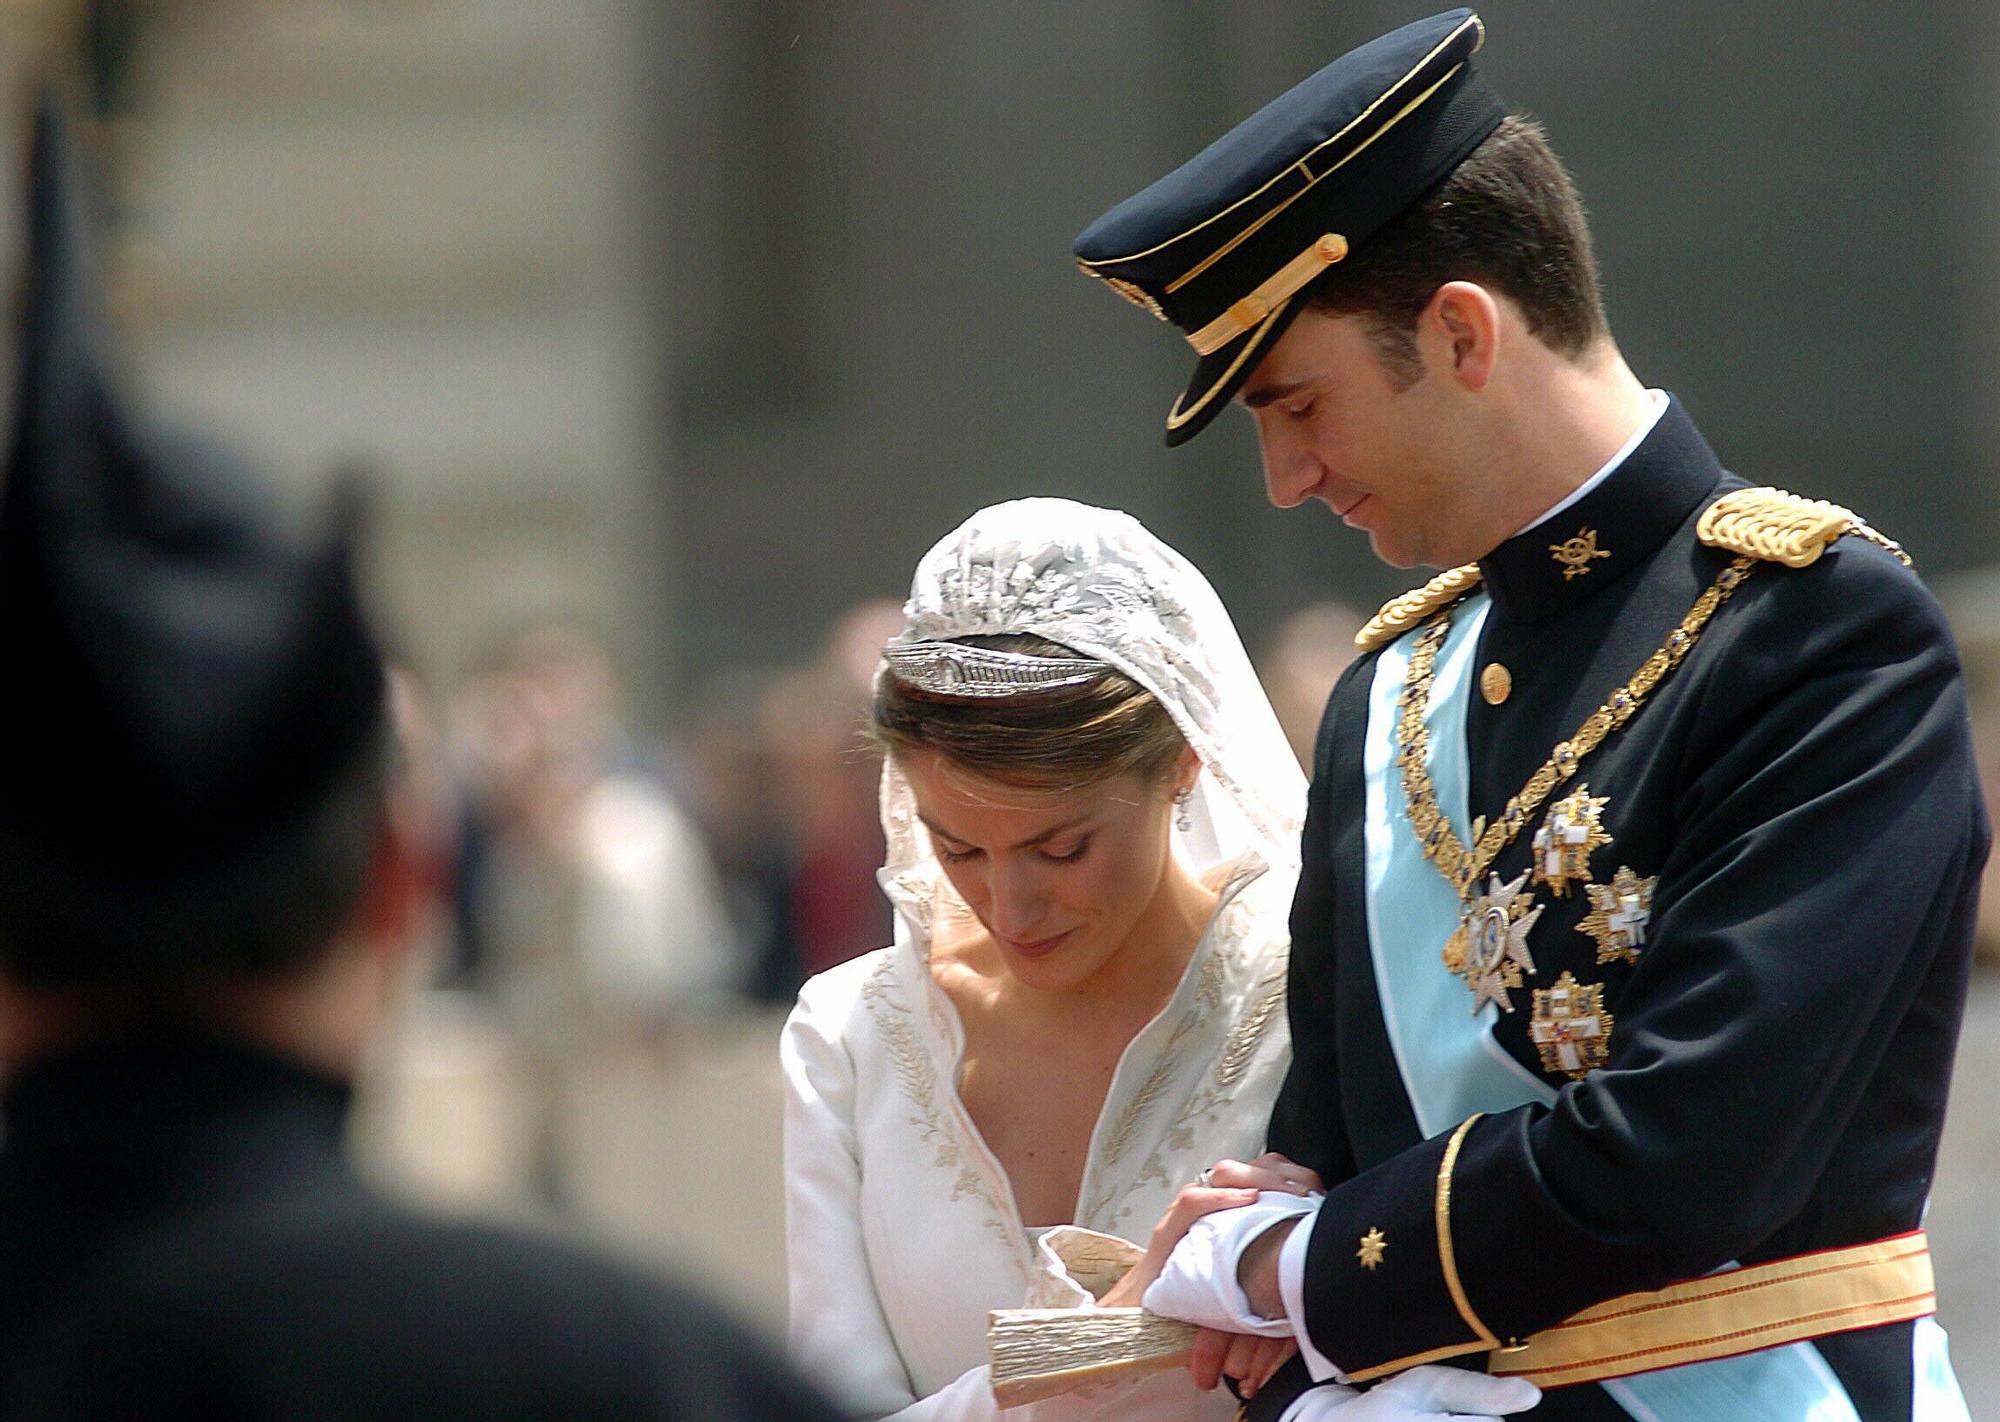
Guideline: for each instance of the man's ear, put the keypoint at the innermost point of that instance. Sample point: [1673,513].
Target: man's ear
[1459,332]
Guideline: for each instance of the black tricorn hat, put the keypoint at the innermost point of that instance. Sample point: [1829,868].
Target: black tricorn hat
[1223,245]
[189,671]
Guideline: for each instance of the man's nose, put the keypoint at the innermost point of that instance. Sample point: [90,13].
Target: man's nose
[1290,470]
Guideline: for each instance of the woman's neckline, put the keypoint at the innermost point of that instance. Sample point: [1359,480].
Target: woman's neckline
[1229,878]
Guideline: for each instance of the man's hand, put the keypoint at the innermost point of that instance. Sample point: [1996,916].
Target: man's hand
[1257,1270]
[1226,1185]
[1427,1394]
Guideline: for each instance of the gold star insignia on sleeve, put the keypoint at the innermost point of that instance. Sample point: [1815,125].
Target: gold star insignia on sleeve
[1373,1246]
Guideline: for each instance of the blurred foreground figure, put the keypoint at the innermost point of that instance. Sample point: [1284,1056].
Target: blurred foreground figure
[191,817]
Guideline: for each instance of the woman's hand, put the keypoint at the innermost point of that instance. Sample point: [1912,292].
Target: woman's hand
[1191,1204]
[1269,1171]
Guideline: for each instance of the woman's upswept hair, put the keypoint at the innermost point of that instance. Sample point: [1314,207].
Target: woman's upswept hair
[1066,739]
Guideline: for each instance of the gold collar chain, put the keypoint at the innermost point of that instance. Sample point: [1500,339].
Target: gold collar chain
[1462,866]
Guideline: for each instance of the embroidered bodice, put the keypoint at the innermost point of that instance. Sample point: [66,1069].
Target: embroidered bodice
[902,1226]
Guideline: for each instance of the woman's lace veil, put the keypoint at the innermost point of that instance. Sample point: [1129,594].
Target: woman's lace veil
[1097,582]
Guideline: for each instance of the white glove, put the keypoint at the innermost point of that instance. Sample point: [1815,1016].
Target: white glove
[1199,1284]
[1427,1394]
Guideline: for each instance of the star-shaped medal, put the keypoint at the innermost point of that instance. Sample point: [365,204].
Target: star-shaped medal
[1490,948]
[1619,913]
[1563,845]
[1374,1245]
[1571,1029]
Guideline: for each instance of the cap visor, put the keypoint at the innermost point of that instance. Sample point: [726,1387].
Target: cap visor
[1221,373]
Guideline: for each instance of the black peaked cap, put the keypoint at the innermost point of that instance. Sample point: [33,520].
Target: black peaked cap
[1223,245]
[189,672]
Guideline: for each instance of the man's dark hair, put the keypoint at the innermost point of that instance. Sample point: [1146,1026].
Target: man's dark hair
[1509,218]
[268,907]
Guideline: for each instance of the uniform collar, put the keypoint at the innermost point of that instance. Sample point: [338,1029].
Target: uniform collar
[1585,546]
[165,1087]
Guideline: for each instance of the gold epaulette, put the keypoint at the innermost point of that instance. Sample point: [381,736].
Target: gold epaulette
[1778,527]
[1400,614]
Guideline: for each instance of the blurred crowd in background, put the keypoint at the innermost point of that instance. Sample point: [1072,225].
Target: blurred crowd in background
[597,875]
[594,874]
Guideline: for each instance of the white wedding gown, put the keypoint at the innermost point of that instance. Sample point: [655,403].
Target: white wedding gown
[901,1227]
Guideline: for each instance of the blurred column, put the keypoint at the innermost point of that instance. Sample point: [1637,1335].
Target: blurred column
[399,236]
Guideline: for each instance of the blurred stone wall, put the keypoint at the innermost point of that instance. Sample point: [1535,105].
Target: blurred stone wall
[704,319]
[405,238]
[879,327]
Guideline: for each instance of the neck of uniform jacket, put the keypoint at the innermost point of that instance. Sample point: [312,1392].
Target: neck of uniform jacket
[1616,524]
[206,1111]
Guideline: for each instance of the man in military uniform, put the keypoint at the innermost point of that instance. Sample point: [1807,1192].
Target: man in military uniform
[191,810]
[1639,869]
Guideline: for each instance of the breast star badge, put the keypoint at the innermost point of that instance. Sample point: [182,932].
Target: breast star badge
[1571,1029]
[1564,843]
[1619,913]
[1490,947]
[1373,1246]
[1576,554]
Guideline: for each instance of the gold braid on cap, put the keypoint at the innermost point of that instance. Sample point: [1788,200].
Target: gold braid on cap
[1777,527]
[1400,614]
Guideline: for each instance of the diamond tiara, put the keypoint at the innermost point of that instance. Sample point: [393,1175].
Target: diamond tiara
[958,669]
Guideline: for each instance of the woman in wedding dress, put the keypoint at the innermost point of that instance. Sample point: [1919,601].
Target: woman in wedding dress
[1093,825]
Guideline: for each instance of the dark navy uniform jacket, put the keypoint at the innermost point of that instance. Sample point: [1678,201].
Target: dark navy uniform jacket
[181,1238]
[1803,787]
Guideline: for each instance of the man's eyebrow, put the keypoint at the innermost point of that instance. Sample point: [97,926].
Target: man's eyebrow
[1043,838]
[1269,394]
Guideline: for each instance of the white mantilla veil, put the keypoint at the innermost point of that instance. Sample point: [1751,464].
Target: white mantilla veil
[1097,582]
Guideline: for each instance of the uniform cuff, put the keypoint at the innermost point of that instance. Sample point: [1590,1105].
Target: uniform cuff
[1292,1288]
[1380,1287]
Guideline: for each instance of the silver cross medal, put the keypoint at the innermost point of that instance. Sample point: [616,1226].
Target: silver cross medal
[1490,948]
[1553,838]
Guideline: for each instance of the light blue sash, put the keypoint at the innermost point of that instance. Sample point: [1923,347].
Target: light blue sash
[1452,1067]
